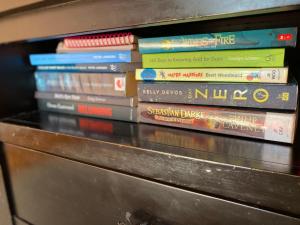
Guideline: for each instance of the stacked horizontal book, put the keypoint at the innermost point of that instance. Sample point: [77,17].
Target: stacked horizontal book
[90,76]
[234,83]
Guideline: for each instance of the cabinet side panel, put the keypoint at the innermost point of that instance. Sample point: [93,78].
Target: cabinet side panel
[5,217]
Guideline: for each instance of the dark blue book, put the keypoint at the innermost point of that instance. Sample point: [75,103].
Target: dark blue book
[249,95]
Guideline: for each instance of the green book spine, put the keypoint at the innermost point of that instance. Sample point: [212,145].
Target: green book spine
[224,58]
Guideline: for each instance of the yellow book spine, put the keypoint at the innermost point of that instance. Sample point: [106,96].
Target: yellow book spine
[251,75]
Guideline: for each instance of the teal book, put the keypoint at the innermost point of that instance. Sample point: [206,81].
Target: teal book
[266,38]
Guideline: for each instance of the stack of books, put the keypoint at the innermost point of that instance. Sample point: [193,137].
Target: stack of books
[232,83]
[90,75]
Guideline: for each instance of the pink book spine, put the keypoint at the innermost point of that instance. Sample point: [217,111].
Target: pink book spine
[102,40]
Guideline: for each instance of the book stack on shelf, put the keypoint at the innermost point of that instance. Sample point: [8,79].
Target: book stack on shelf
[90,75]
[234,83]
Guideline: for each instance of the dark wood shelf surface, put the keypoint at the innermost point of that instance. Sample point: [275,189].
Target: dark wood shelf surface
[53,190]
[256,173]
[247,179]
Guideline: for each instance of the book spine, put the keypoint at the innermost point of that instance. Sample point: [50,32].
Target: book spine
[93,110]
[267,96]
[253,124]
[114,39]
[121,84]
[81,58]
[94,68]
[93,99]
[251,75]
[61,48]
[228,58]
[267,38]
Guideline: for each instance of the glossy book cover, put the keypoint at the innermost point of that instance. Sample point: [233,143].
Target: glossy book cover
[265,38]
[246,123]
[116,84]
[258,95]
[249,75]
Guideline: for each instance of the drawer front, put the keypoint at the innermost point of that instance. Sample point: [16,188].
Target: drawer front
[5,217]
[51,190]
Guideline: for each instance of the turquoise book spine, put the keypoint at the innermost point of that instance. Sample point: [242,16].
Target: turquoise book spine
[266,38]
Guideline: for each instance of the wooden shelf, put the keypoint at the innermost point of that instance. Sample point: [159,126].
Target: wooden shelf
[92,16]
[261,174]
[57,166]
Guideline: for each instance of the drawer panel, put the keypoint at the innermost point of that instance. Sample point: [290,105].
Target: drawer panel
[51,190]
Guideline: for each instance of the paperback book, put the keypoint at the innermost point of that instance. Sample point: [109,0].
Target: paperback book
[93,99]
[246,123]
[100,40]
[228,58]
[61,48]
[93,68]
[117,84]
[251,75]
[258,95]
[85,58]
[265,38]
[93,110]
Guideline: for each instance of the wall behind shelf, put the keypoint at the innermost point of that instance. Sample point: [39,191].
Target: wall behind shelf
[17,83]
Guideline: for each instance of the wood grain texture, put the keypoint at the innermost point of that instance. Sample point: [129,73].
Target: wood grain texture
[50,190]
[231,168]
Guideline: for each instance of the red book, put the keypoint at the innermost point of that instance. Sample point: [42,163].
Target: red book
[100,40]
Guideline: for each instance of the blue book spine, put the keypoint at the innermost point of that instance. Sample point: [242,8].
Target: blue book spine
[266,38]
[81,58]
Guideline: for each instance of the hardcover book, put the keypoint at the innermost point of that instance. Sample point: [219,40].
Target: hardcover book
[253,124]
[266,96]
[93,68]
[266,38]
[251,75]
[85,58]
[228,58]
[116,84]
[94,99]
[93,110]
